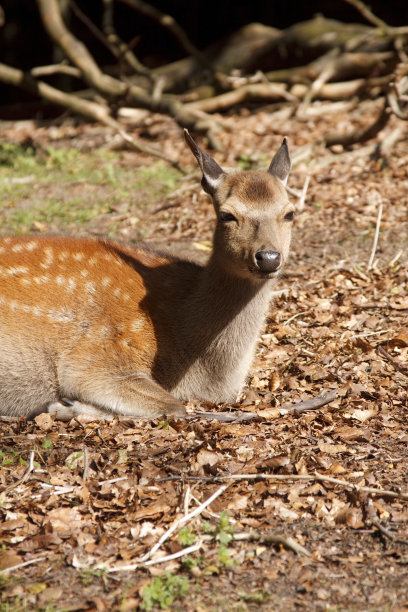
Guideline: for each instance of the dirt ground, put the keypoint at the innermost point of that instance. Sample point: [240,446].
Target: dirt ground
[314,513]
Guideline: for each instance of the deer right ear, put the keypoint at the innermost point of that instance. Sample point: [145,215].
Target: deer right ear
[213,174]
[281,164]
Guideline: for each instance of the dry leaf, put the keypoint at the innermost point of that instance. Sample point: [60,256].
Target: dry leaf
[363,415]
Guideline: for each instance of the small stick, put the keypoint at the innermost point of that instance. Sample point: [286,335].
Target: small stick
[181,521]
[302,198]
[19,565]
[85,473]
[271,538]
[377,232]
[310,404]
[377,523]
[381,351]
[176,555]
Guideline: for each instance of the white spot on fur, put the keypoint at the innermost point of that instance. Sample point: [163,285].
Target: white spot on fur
[25,281]
[41,280]
[71,284]
[37,311]
[60,280]
[137,325]
[92,261]
[16,270]
[116,293]
[17,248]
[106,281]
[126,297]
[78,256]
[13,305]
[90,288]
[61,316]
[63,256]
[30,246]
[84,272]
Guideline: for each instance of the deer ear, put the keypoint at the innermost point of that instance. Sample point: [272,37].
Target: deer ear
[213,174]
[281,164]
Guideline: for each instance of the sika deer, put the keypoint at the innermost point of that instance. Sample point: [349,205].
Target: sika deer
[95,327]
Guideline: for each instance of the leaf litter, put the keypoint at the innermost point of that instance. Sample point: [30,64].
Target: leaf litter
[94,513]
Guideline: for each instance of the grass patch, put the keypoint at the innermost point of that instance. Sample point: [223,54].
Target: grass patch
[66,189]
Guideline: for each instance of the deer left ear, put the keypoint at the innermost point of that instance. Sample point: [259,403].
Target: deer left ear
[281,164]
[213,174]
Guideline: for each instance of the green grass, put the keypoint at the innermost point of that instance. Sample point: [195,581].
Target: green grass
[57,189]
[163,591]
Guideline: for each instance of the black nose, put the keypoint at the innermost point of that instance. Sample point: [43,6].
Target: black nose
[268,261]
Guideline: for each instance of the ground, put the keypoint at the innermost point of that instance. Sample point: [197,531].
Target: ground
[314,514]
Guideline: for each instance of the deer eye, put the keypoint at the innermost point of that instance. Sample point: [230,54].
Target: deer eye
[289,216]
[227,217]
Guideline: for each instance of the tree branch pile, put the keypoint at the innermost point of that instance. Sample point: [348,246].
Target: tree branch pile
[320,58]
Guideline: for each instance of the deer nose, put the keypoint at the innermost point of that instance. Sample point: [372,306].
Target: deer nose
[268,261]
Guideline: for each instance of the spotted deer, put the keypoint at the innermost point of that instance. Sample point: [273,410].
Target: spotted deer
[96,327]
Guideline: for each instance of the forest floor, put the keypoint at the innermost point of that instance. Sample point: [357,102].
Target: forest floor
[318,519]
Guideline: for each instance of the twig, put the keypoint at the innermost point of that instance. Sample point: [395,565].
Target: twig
[25,475]
[290,478]
[310,404]
[271,538]
[85,473]
[142,148]
[377,523]
[62,68]
[19,565]
[181,521]
[381,351]
[377,232]
[302,198]
[176,555]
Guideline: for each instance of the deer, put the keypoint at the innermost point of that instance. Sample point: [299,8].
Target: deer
[96,327]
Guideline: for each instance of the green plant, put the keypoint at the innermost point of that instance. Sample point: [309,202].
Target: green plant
[88,576]
[163,591]
[224,533]
[186,537]
[46,444]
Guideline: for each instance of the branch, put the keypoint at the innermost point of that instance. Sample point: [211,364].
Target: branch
[107,85]
[94,111]
[76,50]
[291,478]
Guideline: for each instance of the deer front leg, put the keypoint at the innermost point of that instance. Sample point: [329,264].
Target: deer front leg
[105,395]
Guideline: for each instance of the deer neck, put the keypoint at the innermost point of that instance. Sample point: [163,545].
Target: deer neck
[218,326]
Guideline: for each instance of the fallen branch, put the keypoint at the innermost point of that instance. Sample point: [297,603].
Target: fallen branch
[290,478]
[237,417]
[376,234]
